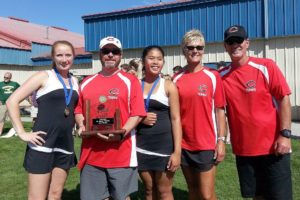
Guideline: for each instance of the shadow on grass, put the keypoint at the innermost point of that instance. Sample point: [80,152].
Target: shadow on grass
[178,193]
[71,194]
[139,195]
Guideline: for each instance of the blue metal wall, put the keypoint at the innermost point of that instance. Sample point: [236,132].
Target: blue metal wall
[14,57]
[48,62]
[22,57]
[284,17]
[38,49]
[166,24]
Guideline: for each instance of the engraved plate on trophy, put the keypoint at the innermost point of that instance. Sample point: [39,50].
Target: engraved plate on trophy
[107,119]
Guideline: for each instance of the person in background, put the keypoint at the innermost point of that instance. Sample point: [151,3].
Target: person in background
[177,69]
[7,87]
[159,134]
[133,67]
[34,106]
[124,67]
[108,162]
[259,116]
[202,103]
[50,147]
[167,77]
[221,65]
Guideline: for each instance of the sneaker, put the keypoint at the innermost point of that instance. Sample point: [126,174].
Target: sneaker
[9,134]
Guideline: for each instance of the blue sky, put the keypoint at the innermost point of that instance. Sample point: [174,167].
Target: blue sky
[65,13]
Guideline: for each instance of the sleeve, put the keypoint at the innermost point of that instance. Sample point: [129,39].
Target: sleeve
[219,96]
[277,83]
[137,107]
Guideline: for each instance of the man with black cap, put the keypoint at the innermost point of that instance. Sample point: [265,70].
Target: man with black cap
[259,116]
[108,161]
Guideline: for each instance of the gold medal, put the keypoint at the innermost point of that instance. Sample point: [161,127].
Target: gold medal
[67,112]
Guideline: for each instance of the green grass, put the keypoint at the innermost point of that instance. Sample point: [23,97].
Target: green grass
[13,178]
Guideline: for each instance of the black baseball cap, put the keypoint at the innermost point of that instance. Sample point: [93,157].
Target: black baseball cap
[235,31]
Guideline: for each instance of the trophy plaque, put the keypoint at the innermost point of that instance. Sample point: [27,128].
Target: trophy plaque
[103,123]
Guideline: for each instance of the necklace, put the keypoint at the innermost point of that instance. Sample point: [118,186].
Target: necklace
[151,91]
[68,95]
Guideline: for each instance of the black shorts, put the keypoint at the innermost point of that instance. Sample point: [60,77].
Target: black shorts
[36,162]
[201,161]
[152,162]
[268,176]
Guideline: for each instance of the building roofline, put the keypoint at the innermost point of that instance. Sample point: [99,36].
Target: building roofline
[18,42]
[155,7]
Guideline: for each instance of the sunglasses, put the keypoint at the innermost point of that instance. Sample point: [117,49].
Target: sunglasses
[191,48]
[113,51]
[233,40]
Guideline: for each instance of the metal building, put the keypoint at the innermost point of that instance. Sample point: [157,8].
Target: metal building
[273,27]
[25,48]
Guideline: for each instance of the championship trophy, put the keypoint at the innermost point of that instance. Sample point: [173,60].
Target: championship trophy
[104,123]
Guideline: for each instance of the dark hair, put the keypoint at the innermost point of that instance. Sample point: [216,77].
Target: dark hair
[177,68]
[149,48]
[134,64]
[64,42]
[124,66]
[221,64]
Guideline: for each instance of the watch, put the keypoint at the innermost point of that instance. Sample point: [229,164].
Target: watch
[223,138]
[286,133]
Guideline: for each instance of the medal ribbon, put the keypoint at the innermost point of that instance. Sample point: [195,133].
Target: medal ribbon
[67,95]
[151,91]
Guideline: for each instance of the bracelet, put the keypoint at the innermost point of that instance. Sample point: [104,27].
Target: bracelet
[222,138]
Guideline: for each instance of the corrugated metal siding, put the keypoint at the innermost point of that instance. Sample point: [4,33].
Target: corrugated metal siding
[38,49]
[77,61]
[14,56]
[166,27]
[22,57]
[286,52]
[284,17]
[21,73]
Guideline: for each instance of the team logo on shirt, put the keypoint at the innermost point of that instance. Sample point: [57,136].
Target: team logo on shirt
[202,90]
[8,89]
[251,86]
[113,93]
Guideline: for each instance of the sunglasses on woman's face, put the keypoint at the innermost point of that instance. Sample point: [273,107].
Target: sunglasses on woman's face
[191,48]
[113,51]
[233,40]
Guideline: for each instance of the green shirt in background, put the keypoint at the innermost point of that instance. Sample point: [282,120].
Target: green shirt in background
[6,89]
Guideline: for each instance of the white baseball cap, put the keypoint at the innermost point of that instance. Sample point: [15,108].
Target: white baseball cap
[110,40]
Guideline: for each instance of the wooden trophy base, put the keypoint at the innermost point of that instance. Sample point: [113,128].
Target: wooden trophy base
[103,132]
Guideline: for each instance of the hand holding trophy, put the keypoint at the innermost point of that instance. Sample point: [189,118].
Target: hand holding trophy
[104,125]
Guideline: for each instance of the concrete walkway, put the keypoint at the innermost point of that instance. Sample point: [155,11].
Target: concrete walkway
[296,130]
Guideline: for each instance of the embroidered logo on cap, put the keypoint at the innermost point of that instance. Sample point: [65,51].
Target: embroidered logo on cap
[233,29]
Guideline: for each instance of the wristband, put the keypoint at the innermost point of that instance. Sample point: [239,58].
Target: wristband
[222,138]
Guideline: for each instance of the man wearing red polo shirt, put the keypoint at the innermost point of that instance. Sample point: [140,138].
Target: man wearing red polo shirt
[259,116]
[108,162]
